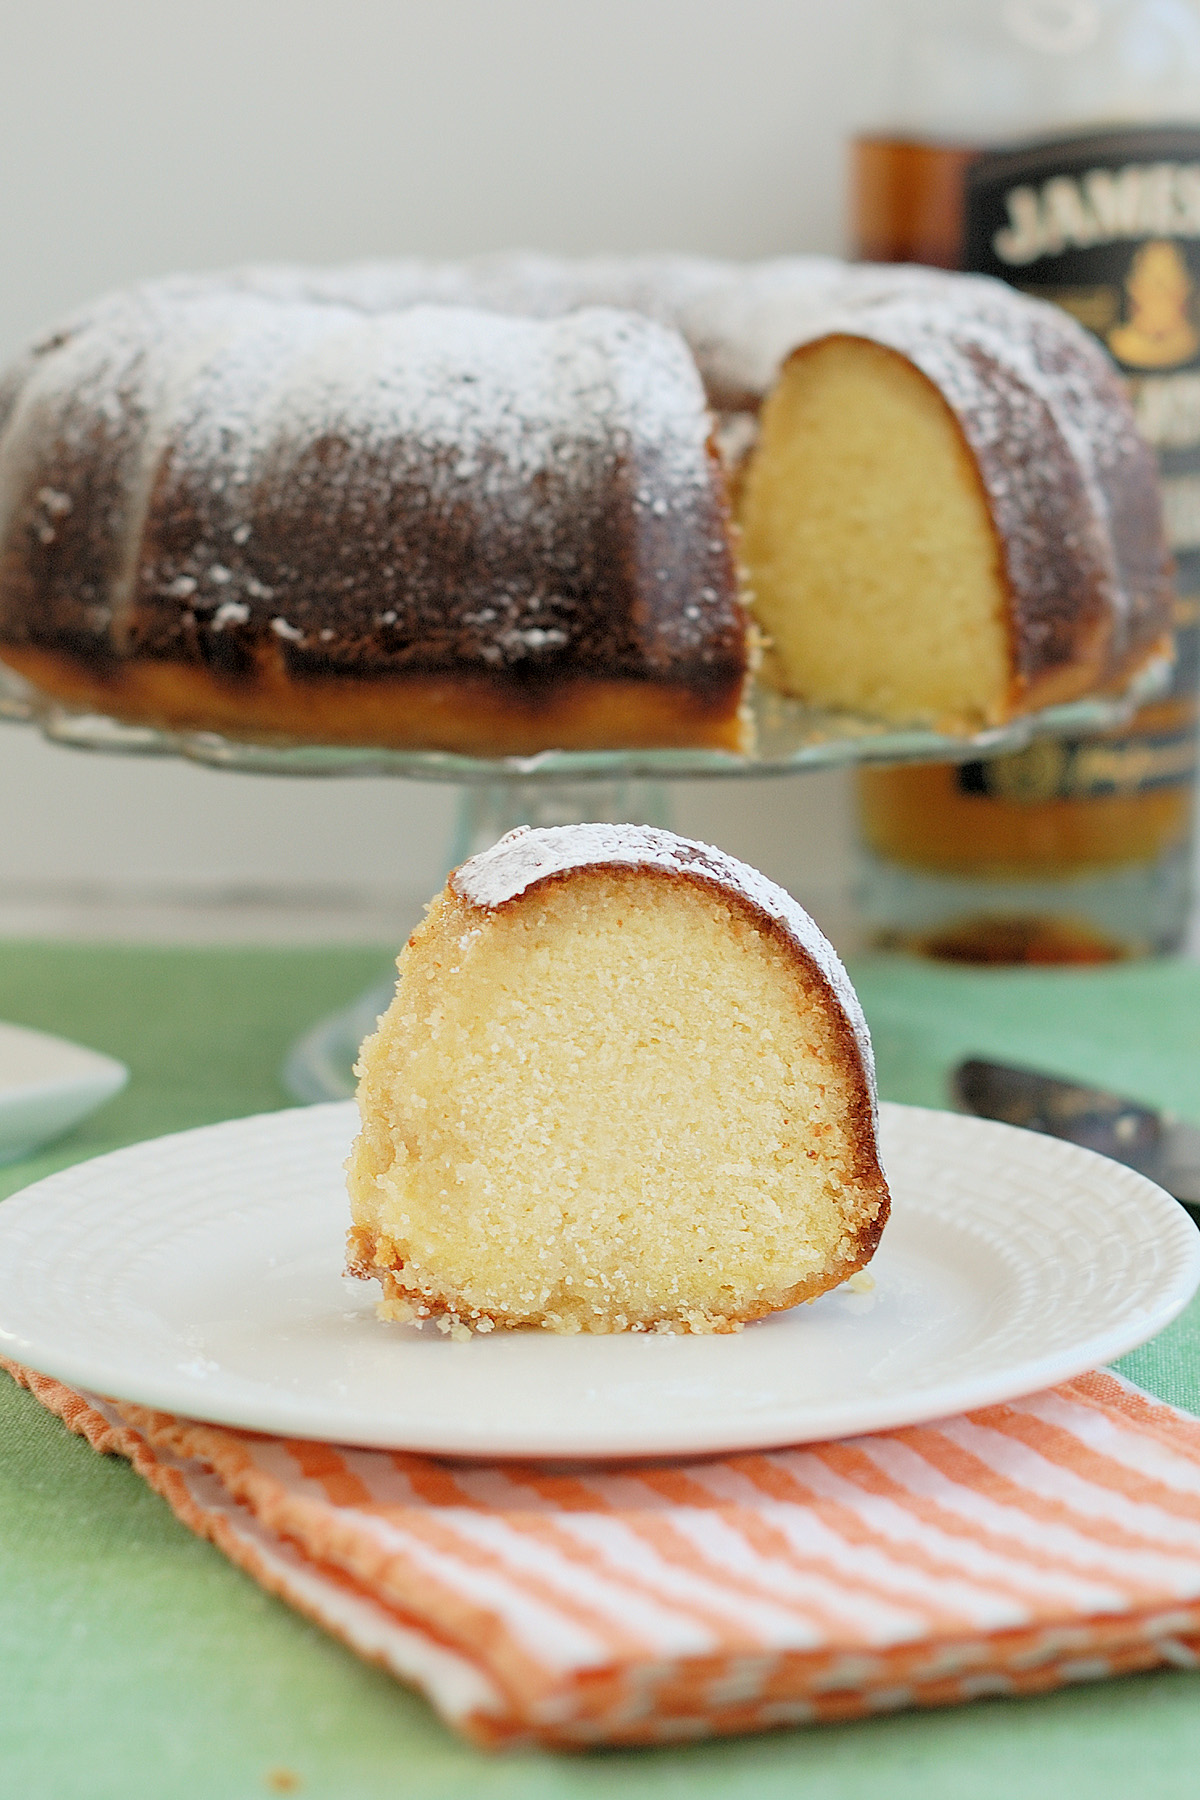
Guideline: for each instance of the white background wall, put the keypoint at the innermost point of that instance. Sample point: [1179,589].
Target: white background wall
[138,137]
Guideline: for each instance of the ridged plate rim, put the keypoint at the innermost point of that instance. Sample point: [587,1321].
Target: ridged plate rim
[1076,1260]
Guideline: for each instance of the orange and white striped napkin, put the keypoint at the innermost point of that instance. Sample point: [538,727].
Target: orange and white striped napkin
[1009,1550]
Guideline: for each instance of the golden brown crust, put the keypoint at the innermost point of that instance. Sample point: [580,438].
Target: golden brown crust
[464,714]
[376,1258]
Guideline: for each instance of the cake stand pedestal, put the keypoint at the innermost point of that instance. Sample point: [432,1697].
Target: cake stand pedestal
[556,787]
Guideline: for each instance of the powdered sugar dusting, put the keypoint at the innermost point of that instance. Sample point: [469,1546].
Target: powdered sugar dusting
[301,457]
[1070,483]
[527,856]
[516,384]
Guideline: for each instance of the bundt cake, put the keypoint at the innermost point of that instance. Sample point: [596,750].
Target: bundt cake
[477,507]
[624,1084]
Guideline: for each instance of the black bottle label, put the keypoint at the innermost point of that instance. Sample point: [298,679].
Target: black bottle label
[1107,226]
[1086,768]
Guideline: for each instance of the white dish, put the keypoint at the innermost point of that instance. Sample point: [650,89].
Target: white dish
[201,1273]
[47,1085]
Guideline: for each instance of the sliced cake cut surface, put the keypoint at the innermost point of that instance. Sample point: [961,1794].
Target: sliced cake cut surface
[949,517]
[869,544]
[624,1084]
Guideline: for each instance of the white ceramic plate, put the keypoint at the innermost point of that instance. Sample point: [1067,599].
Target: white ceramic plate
[47,1085]
[201,1273]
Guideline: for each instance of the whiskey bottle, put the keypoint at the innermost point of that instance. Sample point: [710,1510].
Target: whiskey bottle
[1054,144]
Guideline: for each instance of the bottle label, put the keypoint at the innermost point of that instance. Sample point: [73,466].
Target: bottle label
[1085,768]
[1108,227]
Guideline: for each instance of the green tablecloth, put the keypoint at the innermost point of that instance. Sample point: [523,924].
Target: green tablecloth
[135,1662]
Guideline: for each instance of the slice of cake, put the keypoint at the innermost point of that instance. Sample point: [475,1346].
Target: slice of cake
[624,1083]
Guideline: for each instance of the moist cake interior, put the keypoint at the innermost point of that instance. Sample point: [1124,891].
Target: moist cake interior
[868,544]
[598,1112]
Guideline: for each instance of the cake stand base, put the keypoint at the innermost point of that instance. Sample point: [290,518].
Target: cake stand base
[559,787]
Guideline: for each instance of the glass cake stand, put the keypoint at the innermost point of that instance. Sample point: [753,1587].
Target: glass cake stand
[557,787]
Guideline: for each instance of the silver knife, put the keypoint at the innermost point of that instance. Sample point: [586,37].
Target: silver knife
[1154,1143]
